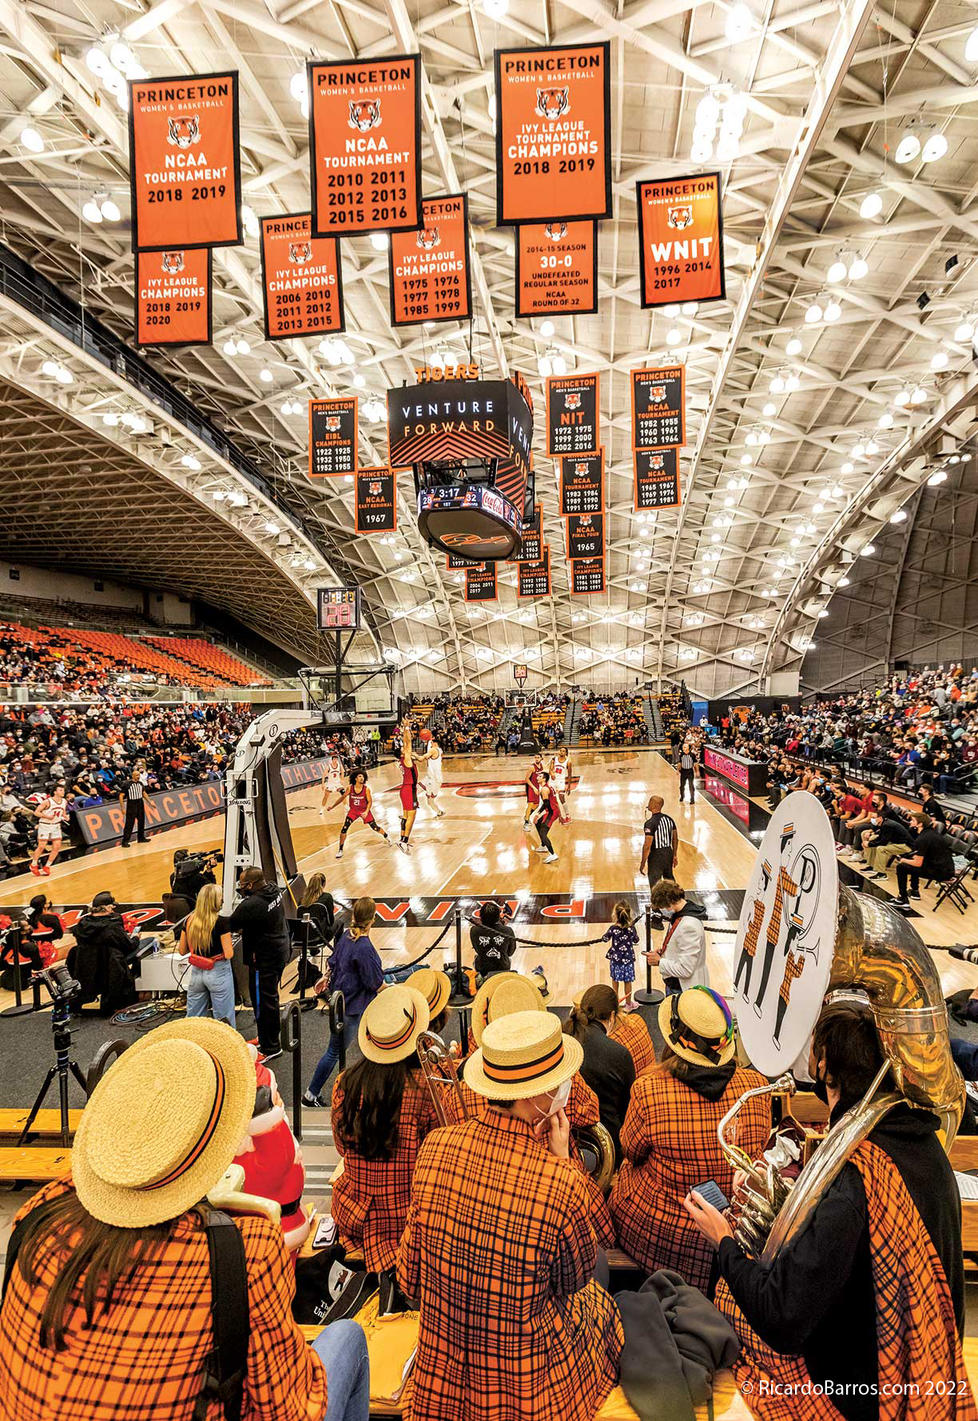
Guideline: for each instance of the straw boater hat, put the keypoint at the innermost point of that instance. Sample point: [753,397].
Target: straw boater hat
[391,1024]
[523,1055]
[697,1025]
[164,1123]
[502,994]
[434,986]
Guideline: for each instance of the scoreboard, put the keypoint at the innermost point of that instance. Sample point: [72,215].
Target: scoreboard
[339,609]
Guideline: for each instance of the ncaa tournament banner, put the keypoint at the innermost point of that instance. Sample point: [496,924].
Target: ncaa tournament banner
[557,269]
[173,297]
[332,438]
[587,577]
[585,536]
[656,479]
[659,407]
[572,414]
[533,578]
[429,268]
[680,234]
[301,278]
[184,162]
[365,145]
[480,582]
[553,133]
[376,501]
[582,483]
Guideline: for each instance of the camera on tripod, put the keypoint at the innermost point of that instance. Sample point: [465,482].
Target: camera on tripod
[58,981]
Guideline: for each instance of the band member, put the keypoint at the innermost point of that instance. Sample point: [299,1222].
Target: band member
[661,842]
[867,1301]
[681,957]
[687,766]
[669,1138]
[334,783]
[499,1251]
[409,787]
[532,786]
[51,813]
[359,805]
[549,810]
[787,888]
[560,772]
[745,962]
[432,782]
[794,966]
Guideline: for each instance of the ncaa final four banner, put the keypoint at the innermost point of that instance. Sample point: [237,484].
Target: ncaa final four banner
[680,234]
[585,536]
[302,282]
[572,414]
[582,483]
[184,162]
[656,479]
[587,577]
[365,145]
[659,407]
[480,582]
[557,269]
[173,297]
[533,578]
[553,133]
[429,268]
[376,501]
[332,438]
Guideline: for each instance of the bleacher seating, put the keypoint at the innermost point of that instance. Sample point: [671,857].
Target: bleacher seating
[214,660]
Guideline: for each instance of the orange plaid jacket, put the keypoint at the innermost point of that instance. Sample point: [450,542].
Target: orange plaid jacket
[371,1197]
[633,1034]
[669,1140]
[499,1251]
[144,1358]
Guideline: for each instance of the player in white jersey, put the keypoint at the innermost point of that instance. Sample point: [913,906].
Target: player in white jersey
[560,772]
[434,770]
[52,813]
[334,783]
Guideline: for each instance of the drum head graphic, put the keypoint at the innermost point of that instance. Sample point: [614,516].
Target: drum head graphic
[786,935]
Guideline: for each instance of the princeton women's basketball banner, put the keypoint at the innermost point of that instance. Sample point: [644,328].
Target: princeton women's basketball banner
[680,233]
[301,278]
[365,145]
[184,163]
[480,582]
[376,501]
[332,438]
[572,414]
[557,269]
[553,133]
[173,297]
[659,408]
[533,578]
[429,268]
[582,483]
[656,479]
[585,536]
[587,577]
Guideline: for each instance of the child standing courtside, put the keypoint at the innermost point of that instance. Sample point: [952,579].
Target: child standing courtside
[621,953]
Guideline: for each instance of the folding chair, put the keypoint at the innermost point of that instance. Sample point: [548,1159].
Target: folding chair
[954,888]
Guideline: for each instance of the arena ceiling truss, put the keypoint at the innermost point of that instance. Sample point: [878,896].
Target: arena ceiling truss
[805,436]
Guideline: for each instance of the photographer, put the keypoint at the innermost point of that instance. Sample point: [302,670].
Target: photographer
[260,919]
[191,872]
[99,960]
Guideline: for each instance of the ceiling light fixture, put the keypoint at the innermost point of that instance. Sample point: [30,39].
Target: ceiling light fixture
[495,9]
[900,516]
[832,310]
[918,395]
[867,551]
[379,241]
[934,148]
[939,360]
[908,147]
[871,205]
[31,139]
[108,208]
[885,420]
[837,271]
[92,212]
[547,329]
[770,409]
[813,314]
[794,346]
[971,47]
[902,397]
[965,329]
[937,478]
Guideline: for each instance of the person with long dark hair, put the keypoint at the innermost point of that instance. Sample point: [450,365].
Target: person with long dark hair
[607,1068]
[549,810]
[356,971]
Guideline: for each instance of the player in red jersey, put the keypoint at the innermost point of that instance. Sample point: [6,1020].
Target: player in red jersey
[532,786]
[359,805]
[409,763]
[550,809]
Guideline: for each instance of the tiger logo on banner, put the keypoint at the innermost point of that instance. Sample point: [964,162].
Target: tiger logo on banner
[680,231]
[556,231]
[556,269]
[679,218]
[552,103]
[365,116]
[172,262]
[300,253]
[428,270]
[428,239]
[173,297]
[302,282]
[183,132]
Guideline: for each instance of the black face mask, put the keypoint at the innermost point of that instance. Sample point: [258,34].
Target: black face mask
[819,1090]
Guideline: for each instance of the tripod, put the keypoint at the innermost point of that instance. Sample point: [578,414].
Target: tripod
[63,1063]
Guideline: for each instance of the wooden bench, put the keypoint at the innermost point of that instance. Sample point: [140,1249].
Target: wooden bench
[46,1123]
[33,1164]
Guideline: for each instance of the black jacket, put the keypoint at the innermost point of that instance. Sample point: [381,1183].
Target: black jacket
[817,1296]
[609,1070]
[98,961]
[493,948]
[260,919]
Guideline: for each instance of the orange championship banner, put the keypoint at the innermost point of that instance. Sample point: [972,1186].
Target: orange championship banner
[572,414]
[556,269]
[680,237]
[301,278]
[365,145]
[173,297]
[533,578]
[184,162]
[659,407]
[429,268]
[553,133]
[581,483]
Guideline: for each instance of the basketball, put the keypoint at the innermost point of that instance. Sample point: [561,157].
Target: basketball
[425,735]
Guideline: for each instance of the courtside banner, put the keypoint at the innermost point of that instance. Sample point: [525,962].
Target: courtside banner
[680,235]
[656,479]
[376,501]
[184,162]
[659,407]
[429,268]
[585,536]
[572,414]
[553,133]
[480,582]
[301,278]
[332,438]
[365,145]
[587,577]
[173,297]
[582,483]
[533,578]
[557,269]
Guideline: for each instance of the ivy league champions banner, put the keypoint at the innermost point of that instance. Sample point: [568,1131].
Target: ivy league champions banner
[302,283]
[587,577]
[572,414]
[173,297]
[184,163]
[376,501]
[365,145]
[582,483]
[656,479]
[332,438]
[429,268]
[557,269]
[659,407]
[680,233]
[533,578]
[480,582]
[531,547]
[553,133]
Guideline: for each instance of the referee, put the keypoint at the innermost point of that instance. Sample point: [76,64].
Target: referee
[687,764]
[133,797]
[661,839]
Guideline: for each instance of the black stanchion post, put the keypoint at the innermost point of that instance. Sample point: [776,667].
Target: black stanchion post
[337,1024]
[460,996]
[648,996]
[292,1041]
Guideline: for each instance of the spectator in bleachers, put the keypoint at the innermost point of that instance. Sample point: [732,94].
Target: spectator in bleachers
[357,972]
[99,960]
[607,1067]
[265,948]
[206,939]
[681,956]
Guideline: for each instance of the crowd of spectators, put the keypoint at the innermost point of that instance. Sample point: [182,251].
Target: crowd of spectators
[467,723]
[614,720]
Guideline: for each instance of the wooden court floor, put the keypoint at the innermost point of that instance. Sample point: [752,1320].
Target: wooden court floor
[479,849]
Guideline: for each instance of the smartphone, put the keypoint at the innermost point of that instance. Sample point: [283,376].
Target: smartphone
[713,1194]
[325,1232]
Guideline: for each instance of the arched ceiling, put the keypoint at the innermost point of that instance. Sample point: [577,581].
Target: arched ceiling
[725,589]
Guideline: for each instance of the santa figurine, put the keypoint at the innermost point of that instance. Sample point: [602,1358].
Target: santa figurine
[272,1159]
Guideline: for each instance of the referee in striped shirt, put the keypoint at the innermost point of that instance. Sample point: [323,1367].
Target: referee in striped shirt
[661,839]
[687,764]
[134,798]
